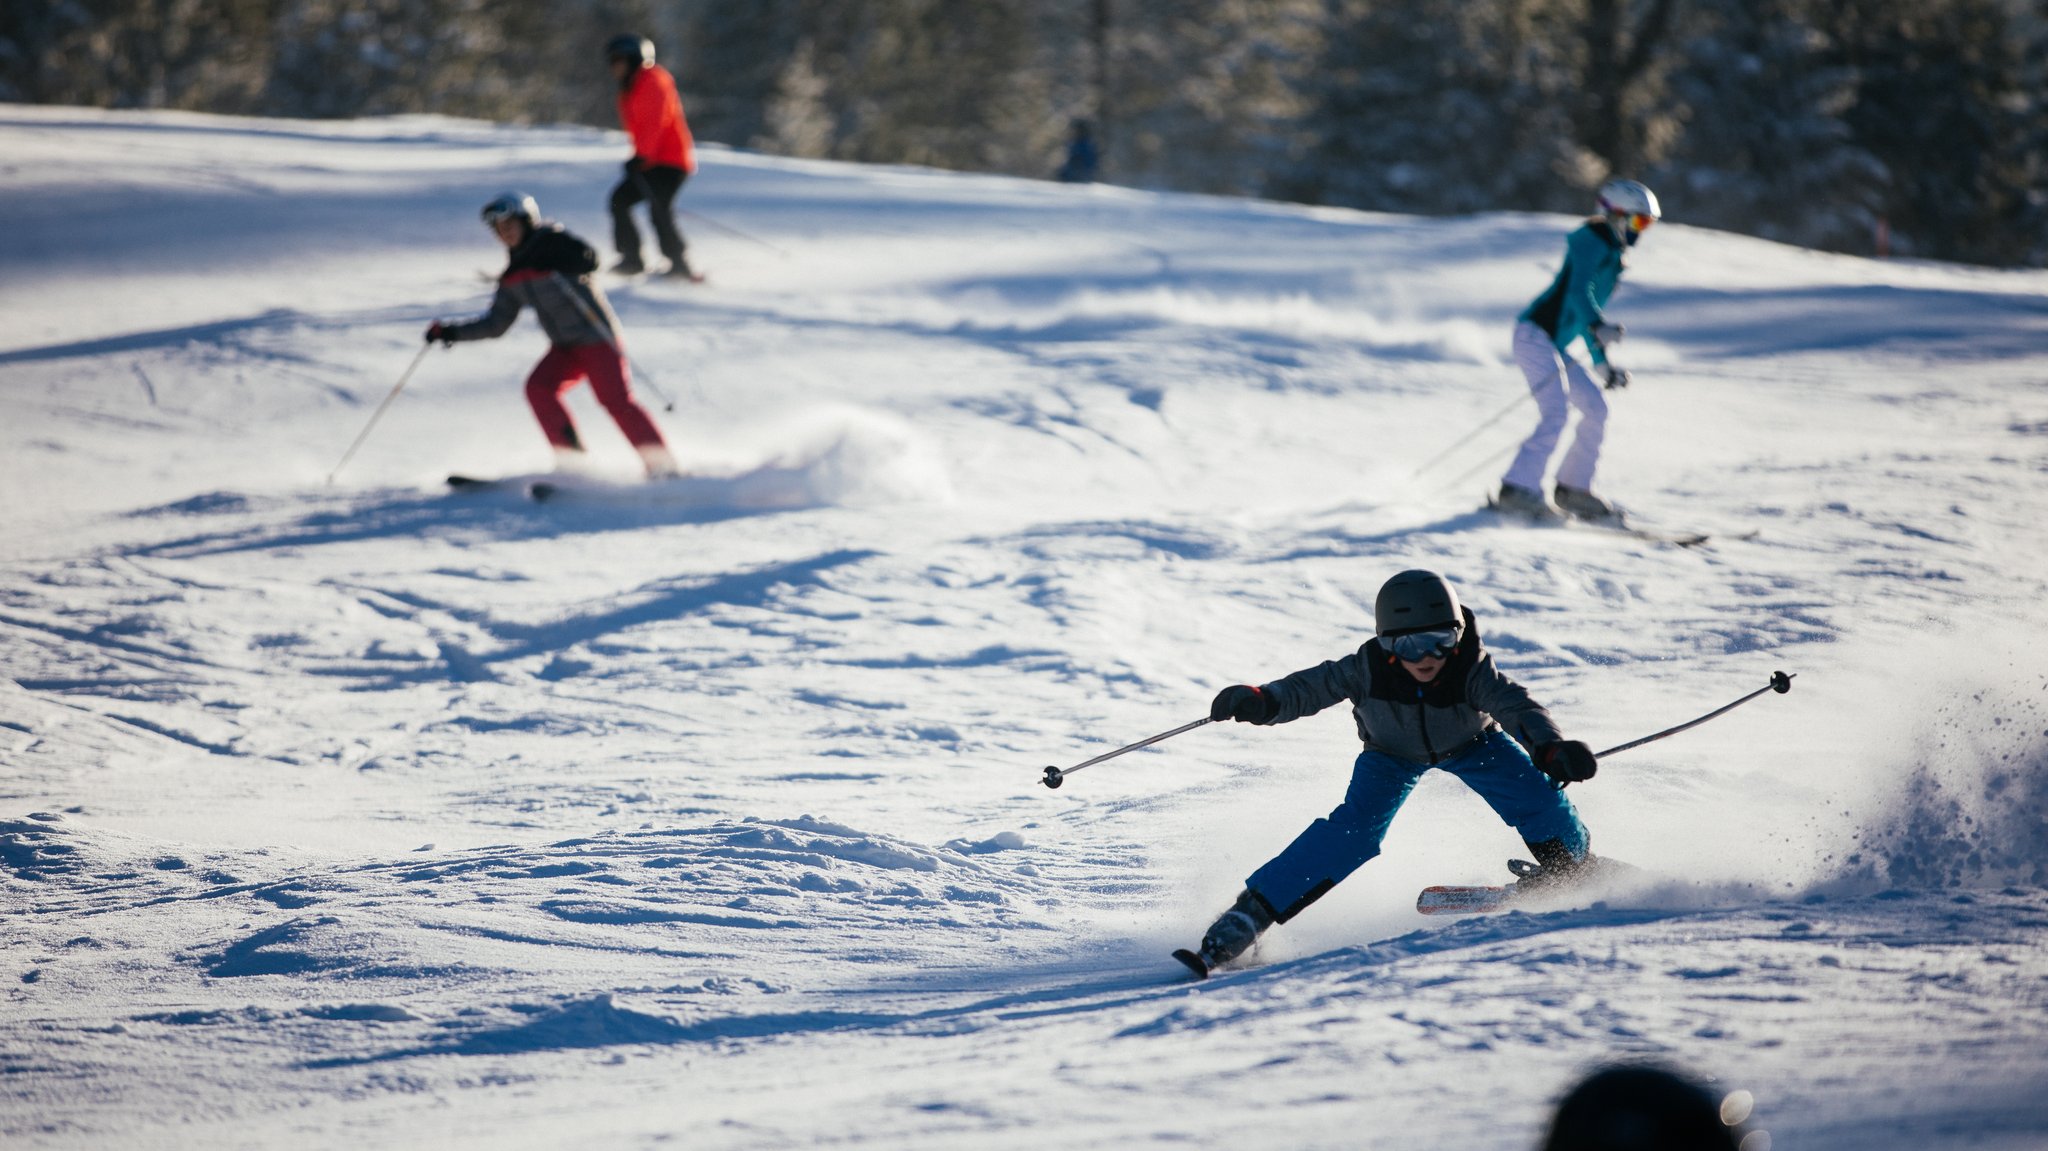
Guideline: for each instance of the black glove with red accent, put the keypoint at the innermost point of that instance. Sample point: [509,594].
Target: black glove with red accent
[437,333]
[1567,761]
[1244,704]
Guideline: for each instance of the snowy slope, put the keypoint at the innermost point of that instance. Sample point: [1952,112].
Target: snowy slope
[367,814]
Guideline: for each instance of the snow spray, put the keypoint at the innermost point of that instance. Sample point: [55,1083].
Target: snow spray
[1970,808]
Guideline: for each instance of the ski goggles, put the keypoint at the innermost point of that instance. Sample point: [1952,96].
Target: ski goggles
[1416,646]
[1639,221]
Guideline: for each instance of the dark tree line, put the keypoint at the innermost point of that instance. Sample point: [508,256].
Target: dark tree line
[1828,123]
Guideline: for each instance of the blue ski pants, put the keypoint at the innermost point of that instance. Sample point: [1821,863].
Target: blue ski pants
[1333,847]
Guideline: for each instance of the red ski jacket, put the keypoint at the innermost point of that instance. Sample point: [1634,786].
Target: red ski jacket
[653,115]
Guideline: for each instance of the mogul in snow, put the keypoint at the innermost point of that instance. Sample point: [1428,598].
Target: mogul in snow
[663,157]
[1573,309]
[549,269]
[1426,695]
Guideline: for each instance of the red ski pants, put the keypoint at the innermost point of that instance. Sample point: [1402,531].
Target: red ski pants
[601,364]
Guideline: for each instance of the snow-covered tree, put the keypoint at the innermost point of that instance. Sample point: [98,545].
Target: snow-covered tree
[1940,102]
[1765,145]
[1444,106]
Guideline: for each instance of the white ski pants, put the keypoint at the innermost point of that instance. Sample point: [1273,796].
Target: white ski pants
[1557,380]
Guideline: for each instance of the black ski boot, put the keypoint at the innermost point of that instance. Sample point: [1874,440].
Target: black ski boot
[1582,504]
[1527,503]
[1231,935]
[1555,869]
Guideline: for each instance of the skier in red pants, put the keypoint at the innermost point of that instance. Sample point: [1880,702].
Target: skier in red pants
[550,269]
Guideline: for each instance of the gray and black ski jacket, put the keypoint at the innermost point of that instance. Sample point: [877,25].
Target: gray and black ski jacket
[1421,723]
[549,271]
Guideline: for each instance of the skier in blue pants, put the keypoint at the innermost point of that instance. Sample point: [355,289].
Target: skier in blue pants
[1425,695]
[1572,309]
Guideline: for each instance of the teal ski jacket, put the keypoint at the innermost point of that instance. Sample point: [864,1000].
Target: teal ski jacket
[1572,305]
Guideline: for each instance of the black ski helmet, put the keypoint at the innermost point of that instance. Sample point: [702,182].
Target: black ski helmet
[1642,1108]
[1416,600]
[511,206]
[631,47]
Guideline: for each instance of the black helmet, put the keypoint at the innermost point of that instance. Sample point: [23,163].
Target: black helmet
[1644,1109]
[511,206]
[1415,601]
[631,47]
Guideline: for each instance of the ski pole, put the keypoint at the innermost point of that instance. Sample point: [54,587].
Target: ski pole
[667,404]
[1466,438]
[1468,473]
[379,413]
[1054,776]
[734,231]
[1780,683]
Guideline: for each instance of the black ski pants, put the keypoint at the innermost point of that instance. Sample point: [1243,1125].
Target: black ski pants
[658,186]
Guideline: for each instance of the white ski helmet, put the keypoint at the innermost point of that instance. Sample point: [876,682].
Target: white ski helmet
[1629,197]
[1417,600]
[511,206]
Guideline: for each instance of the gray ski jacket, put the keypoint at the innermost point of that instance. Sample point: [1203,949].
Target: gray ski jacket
[550,272]
[1419,723]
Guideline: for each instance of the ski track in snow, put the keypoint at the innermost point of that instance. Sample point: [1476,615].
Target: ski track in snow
[371,811]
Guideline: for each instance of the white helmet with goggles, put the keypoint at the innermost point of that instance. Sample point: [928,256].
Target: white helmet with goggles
[1630,206]
[511,206]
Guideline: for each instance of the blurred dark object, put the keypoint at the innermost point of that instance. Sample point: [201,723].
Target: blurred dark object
[1640,1108]
[1083,159]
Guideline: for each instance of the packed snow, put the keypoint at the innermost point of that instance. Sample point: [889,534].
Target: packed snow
[367,813]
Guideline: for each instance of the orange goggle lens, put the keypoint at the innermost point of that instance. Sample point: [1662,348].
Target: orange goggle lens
[1639,222]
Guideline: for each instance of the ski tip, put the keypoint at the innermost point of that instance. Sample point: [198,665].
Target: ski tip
[1192,962]
[1456,899]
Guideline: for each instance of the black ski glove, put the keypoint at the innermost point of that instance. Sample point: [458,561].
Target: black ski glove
[1616,377]
[1244,704]
[1567,761]
[437,332]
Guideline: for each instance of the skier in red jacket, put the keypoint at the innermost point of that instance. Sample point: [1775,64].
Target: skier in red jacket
[663,154]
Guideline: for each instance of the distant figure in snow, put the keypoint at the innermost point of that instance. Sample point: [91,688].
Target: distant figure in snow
[549,269]
[663,155]
[1082,157]
[1572,309]
[1425,694]
[1641,1108]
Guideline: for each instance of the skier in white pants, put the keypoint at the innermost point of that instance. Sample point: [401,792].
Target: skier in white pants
[1570,310]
